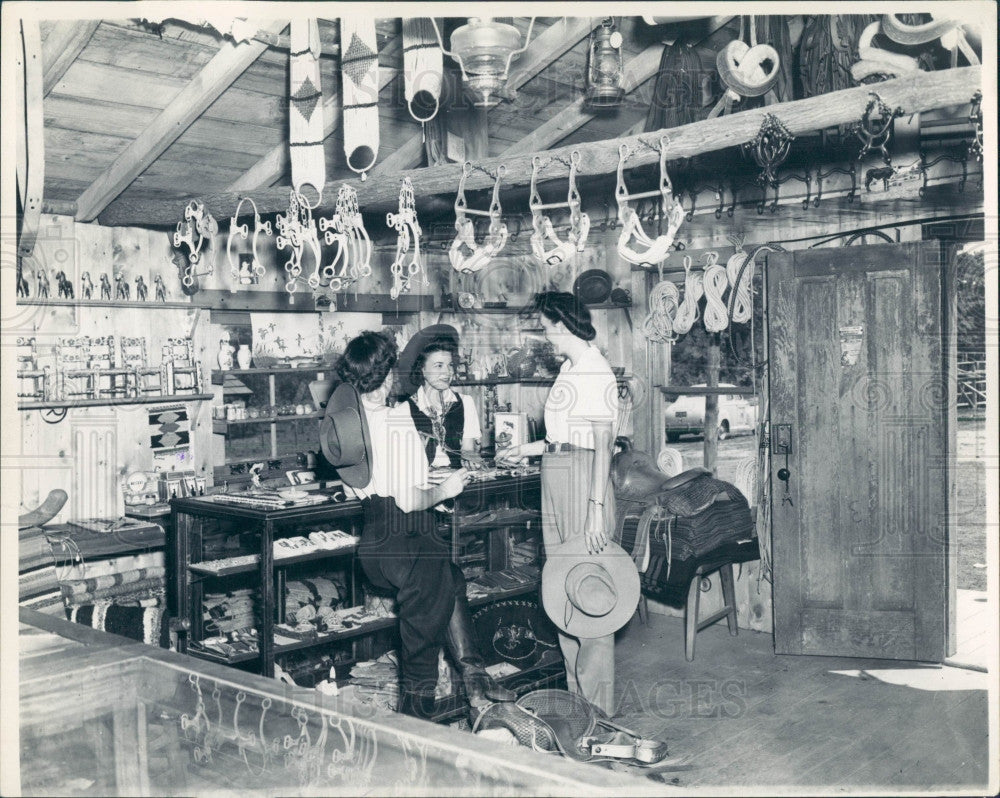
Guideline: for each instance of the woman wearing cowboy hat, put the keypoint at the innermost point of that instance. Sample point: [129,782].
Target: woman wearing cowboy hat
[447,420]
[378,452]
[578,504]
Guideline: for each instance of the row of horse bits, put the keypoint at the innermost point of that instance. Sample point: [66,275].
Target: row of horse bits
[579,223]
[246,272]
[194,230]
[296,230]
[656,249]
[496,237]
[406,265]
[346,229]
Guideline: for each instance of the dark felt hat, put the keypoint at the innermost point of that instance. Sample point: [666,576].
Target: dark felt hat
[344,436]
[413,349]
[593,287]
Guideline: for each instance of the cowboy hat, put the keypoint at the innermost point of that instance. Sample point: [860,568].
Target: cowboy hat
[414,347]
[589,595]
[344,436]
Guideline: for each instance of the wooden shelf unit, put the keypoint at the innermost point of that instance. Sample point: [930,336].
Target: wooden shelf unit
[516,499]
[59,404]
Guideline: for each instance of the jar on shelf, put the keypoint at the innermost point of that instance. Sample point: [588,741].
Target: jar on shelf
[243,356]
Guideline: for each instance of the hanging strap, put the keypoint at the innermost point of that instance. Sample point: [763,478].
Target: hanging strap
[305,114]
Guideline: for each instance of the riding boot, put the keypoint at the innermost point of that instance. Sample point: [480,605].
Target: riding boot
[417,703]
[480,687]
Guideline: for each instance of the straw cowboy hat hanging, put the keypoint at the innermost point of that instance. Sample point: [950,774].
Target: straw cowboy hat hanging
[344,436]
[589,595]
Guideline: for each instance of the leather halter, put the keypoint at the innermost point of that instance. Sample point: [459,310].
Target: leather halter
[656,249]
[579,222]
[496,237]
[243,231]
[408,230]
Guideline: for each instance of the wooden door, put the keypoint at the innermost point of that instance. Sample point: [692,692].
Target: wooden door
[861,366]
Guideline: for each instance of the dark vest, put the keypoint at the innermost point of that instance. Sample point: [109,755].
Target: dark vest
[454,426]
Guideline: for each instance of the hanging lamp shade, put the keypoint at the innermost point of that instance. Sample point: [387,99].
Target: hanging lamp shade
[484,49]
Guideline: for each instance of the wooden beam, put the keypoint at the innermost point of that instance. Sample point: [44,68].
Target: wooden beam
[216,76]
[64,43]
[576,115]
[273,164]
[543,50]
[475,133]
[914,93]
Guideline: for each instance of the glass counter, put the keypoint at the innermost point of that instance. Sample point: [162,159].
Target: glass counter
[104,715]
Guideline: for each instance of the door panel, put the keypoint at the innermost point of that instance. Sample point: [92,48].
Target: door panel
[859,366]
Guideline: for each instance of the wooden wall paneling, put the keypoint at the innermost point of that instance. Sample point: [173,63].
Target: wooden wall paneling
[130,260]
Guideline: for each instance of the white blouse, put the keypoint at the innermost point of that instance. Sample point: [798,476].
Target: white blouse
[398,458]
[583,393]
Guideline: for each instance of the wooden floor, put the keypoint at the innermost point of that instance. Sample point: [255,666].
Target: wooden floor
[754,721]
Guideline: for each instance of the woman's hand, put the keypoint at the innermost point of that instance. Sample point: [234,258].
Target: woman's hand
[473,461]
[455,483]
[594,532]
[511,455]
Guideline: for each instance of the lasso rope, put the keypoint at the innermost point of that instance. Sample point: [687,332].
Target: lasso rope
[359,72]
[687,312]
[422,68]
[715,282]
[740,297]
[659,323]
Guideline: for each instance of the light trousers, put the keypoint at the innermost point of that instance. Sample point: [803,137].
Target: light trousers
[566,476]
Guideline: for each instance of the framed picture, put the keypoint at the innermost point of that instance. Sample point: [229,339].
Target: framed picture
[510,429]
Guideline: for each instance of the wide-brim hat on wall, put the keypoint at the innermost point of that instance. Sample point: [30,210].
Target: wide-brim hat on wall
[413,349]
[344,436]
[593,287]
[589,595]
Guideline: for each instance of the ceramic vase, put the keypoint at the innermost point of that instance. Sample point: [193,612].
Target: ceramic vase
[226,350]
[243,356]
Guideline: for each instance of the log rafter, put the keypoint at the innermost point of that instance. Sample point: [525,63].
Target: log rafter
[215,77]
[922,91]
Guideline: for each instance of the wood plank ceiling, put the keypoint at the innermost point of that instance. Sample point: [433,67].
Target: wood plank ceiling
[110,82]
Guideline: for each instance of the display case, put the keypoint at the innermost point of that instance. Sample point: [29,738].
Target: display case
[238,563]
[104,715]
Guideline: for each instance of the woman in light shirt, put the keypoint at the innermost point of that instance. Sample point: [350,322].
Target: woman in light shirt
[400,550]
[580,414]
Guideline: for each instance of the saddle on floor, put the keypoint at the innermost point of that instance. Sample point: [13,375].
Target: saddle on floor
[564,722]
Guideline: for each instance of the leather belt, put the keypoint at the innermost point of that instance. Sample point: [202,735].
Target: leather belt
[564,447]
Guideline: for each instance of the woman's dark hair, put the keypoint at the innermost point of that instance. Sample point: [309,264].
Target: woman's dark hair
[440,343]
[561,306]
[367,361]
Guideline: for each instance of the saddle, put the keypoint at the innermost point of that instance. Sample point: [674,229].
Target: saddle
[636,477]
[557,721]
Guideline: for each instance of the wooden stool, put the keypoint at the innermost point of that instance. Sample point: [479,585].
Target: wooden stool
[691,623]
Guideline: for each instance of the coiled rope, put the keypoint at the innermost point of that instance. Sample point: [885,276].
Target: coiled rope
[716,283]
[663,303]
[687,312]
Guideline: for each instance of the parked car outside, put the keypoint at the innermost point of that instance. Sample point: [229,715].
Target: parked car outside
[686,415]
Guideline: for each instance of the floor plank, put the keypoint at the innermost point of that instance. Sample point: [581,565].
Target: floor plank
[748,717]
